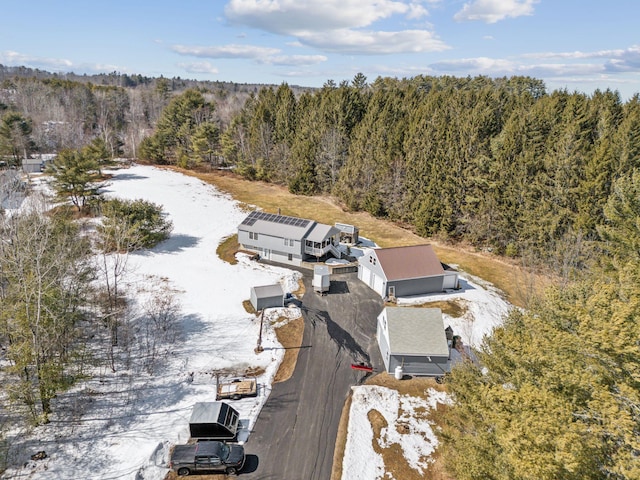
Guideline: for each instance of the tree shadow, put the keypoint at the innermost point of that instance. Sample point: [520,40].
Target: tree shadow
[175,243]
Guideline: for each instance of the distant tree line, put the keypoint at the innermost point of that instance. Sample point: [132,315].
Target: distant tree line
[43,112]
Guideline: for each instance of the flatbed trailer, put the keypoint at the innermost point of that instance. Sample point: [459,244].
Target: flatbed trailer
[237,389]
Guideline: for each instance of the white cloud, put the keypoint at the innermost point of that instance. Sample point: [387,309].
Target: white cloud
[496,67]
[198,67]
[292,17]
[294,60]
[619,60]
[492,11]
[226,51]
[479,65]
[337,25]
[61,65]
[358,42]
[12,58]
[262,55]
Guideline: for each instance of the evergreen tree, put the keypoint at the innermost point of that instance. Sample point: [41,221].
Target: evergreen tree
[15,136]
[75,177]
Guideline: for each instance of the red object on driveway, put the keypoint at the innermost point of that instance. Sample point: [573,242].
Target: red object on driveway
[361,366]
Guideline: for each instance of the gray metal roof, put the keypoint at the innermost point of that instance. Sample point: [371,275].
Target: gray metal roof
[267,291]
[416,331]
[276,225]
[322,232]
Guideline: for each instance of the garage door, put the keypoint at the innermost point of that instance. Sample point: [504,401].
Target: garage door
[378,285]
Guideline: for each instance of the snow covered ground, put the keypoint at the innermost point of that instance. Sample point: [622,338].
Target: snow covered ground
[119,426]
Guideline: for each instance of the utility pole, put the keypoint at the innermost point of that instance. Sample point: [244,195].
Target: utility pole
[259,347]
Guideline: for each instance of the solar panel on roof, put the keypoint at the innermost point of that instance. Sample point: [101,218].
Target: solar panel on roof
[254,216]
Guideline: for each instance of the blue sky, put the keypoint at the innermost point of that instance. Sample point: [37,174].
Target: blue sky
[575,44]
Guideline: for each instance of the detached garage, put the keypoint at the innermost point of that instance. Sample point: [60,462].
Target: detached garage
[404,271]
[415,339]
[267,296]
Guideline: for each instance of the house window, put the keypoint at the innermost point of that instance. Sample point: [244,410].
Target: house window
[253,235]
[289,242]
[290,256]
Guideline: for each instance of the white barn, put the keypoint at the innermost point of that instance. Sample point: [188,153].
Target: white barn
[405,271]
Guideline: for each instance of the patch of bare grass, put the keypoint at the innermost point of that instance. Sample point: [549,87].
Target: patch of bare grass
[454,308]
[341,441]
[228,248]
[290,337]
[249,307]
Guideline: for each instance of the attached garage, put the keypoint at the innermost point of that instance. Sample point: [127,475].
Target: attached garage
[267,296]
[414,339]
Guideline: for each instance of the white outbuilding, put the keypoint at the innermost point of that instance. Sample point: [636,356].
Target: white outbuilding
[267,296]
[413,339]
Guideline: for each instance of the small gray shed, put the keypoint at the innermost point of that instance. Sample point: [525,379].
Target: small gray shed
[267,296]
[415,339]
[32,165]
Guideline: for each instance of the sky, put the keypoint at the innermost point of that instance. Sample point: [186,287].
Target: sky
[580,45]
[122,425]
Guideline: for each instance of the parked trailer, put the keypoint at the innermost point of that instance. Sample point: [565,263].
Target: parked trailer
[237,389]
[321,279]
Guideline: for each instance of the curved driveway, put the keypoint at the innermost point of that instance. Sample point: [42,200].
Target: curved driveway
[296,430]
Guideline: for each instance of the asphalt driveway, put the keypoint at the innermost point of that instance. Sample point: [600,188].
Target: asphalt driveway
[295,433]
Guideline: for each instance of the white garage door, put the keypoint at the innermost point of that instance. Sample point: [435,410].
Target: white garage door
[378,285]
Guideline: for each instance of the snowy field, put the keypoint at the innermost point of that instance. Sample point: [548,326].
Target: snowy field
[122,426]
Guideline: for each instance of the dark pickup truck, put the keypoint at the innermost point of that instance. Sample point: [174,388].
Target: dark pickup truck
[207,456]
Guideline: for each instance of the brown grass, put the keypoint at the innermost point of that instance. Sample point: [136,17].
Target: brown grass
[228,248]
[453,308]
[248,307]
[290,337]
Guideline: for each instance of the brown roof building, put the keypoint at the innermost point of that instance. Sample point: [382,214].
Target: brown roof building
[405,271]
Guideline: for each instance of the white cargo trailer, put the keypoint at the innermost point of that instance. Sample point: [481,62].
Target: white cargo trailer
[321,279]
